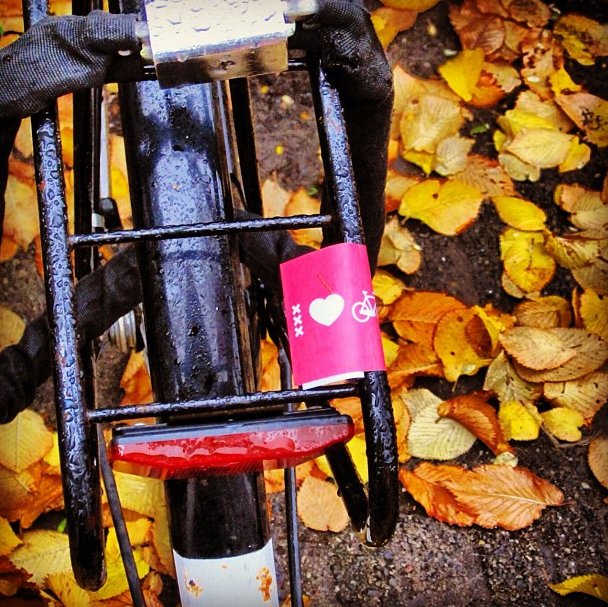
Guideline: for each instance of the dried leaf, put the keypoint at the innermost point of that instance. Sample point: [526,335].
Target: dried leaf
[458,355]
[503,496]
[589,113]
[598,459]
[24,441]
[526,260]
[593,276]
[388,22]
[563,423]
[67,590]
[411,5]
[399,247]
[21,210]
[320,506]
[396,186]
[544,312]
[477,416]
[541,147]
[594,313]
[416,314]
[519,421]
[387,288]
[274,198]
[502,379]
[590,353]
[415,359]
[43,553]
[8,540]
[519,213]
[553,116]
[426,484]
[11,327]
[448,208]
[572,251]
[139,493]
[136,382]
[586,395]
[17,489]
[594,585]
[487,176]
[432,436]
[301,203]
[583,38]
[462,72]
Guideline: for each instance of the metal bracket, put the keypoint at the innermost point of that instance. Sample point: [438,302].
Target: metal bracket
[195,41]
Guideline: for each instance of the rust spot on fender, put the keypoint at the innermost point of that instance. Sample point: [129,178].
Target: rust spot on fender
[265,580]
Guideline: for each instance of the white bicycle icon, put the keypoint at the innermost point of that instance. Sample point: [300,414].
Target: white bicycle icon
[362,311]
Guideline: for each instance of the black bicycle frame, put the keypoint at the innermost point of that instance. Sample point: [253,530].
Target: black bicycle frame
[196,324]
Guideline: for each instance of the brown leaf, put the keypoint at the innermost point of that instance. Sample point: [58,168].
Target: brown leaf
[479,418]
[586,395]
[598,459]
[544,312]
[502,379]
[502,496]
[426,484]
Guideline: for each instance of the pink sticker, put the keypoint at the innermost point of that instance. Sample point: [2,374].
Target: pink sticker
[331,316]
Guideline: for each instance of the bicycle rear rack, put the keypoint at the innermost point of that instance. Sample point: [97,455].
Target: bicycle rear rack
[374,513]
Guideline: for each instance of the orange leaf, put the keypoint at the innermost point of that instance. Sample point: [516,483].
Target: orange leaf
[136,381]
[598,459]
[502,496]
[320,506]
[426,484]
[479,418]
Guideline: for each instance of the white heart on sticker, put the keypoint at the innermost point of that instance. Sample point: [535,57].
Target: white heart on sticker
[326,311]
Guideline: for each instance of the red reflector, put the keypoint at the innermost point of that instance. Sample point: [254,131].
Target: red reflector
[183,451]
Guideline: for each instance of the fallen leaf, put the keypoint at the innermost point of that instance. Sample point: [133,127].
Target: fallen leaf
[387,288]
[139,493]
[448,208]
[544,312]
[416,314]
[583,38]
[540,147]
[399,247]
[530,104]
[486,175]
[24,441]
[503,380]
[300,203]
[458,355]
[526,260]
[274,198]
[598,459]
[8,539]
[47,496]
[594,313]
[136,381]
[388,22]
[593,276]
[412,5]
[462,72]
[17,489]
[503,496]
[519,213]
[518,421]
[594,585]
[11,327]
[586,394]
[415,359]
[590,352]
[563,423]
[396,186]
[426,485]
[572,251]
[320,506]
[432,436]
[66,589]
[589,113]
[478,417]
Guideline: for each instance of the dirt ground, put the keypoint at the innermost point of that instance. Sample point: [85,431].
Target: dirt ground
[427,563]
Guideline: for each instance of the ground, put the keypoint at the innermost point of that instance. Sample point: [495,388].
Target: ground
[427,563]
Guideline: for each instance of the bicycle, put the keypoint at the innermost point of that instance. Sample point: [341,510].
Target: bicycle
[365,310]
[186,148]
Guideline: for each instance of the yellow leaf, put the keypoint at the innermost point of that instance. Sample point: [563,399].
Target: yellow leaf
[589,113]
[120,183]
[388,22]
[274,198]
[562,83]
[541,147]
[457,354]
[399,247]
[594,313]
[136,382]
[525,259]
[544,312]
[387,287]
[320,506]
[462,72]
[590,353]
[23,141]
[301,203]
[391,350]
[572,251]
[357,449]
[24,441]
[515,120]
[502,379]
[517,421]
[21,211]
[67,590]
[11,327]
[43,553]
[432,436]
[598,459]
[415,359]
[503,496]
[583,38]
[17,489]
[516,168]
[519,213]
[139,494]
[51,459]
[412,5]
[448,208]
[8,540]
[586,395]
[531,104]
[563,423]
[161,541]
[593,276]
[594,585]
[396,185]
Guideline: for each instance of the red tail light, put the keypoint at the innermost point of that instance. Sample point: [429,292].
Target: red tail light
[165,452]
